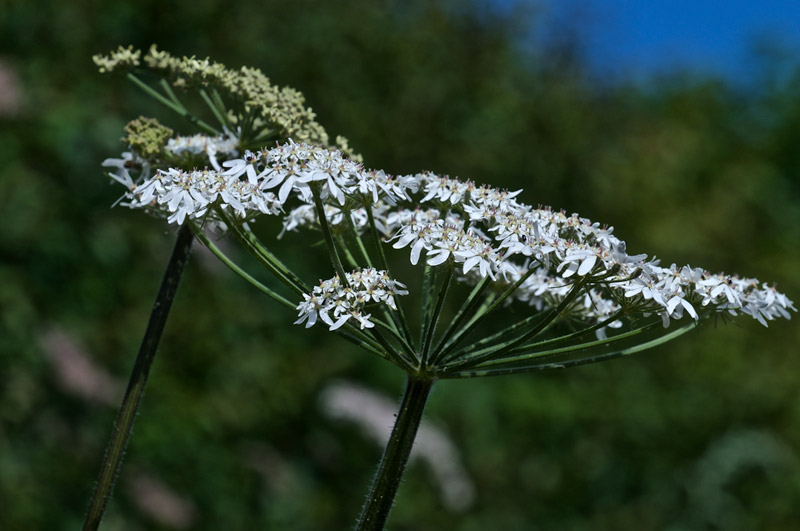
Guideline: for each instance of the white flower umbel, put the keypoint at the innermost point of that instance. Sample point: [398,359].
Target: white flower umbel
[482,231]
[504,238]
[180,195]
[334,303]
[291,167]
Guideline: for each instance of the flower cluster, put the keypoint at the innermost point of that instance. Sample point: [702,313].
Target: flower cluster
[184,194]
[280,109]
[483,231]
[335,303]
[292,167]
[179,194]
[488,232]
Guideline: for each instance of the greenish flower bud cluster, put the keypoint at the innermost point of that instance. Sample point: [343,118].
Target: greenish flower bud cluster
[147,136]
[122,56]
[266,110]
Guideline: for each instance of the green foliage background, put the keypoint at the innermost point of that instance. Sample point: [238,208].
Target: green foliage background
[703,433]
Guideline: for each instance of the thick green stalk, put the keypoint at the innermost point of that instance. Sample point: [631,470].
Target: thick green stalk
[390,471]
[138,380]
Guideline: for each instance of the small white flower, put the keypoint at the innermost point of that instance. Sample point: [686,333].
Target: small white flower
[335,304]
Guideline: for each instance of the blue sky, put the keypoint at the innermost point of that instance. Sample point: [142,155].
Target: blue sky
[639,38]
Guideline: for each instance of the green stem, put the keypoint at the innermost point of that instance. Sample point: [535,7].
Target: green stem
[479,317]
[348,256]
[239,271]
[437,312]
[264,255]
[475,359]
[218,112]
[180,109]
[400,317]
[138,380]
[357,237]
[355,336]
[543,365]
[392,354]
[427,305]
[326,232]
[467,310]
[390,471]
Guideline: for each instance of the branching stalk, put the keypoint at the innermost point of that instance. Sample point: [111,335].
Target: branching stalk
[179,109]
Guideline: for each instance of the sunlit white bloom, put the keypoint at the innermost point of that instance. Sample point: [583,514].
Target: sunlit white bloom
[480,231]
[180,194]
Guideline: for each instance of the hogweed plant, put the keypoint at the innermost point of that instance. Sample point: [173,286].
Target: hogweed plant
[568,290]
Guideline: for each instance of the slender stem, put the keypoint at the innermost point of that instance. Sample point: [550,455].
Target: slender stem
[427,305]
[392,354]
[326,232]
[265,256]
[526,353]
[138,380]
[180,109]
[391,327]
[355,335]
[573,335]
[390,471]
[171,94]
[479,317]
[402,322]
[547,320]
[376,239]
[437,313]
[357,237]
[216,111]
[539,366]
[348,256]
[239,271]
[466,311]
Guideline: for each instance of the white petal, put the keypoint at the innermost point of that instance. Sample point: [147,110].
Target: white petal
[470,263]
[339,322]
[405,240]
[586,265]
[689,308]
[441,256]
[673,303]
[416,249]
[283,193]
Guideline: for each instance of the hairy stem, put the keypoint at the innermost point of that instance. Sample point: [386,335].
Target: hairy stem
[138,380]
[390,471]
